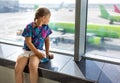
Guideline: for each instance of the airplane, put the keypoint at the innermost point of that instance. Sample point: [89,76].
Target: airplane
[95,32]
[56,6]
[53,6]
[116,9]
[102,30]
[106,15]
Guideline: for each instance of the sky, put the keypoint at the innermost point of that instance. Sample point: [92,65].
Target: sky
[46,1]
[104,1]
[69,1]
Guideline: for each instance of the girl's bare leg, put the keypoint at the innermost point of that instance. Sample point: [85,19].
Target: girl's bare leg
[33,68]
[19,67]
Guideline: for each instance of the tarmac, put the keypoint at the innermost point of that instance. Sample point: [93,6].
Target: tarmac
[11,23]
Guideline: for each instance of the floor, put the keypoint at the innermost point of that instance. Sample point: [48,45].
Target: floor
[87,69]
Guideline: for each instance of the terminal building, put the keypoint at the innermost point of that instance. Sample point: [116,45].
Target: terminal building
[9,6]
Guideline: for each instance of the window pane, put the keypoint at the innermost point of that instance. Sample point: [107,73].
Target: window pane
[16,14]
[103,28]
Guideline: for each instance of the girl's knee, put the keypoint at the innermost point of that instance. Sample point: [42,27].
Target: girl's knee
[18,68]
[33,66]
[33,62]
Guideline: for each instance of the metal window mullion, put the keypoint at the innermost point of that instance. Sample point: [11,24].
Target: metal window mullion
[80,24]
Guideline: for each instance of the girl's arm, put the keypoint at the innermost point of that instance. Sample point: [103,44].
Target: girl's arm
[47,46]
[33,48]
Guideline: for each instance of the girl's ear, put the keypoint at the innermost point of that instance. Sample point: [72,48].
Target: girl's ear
[43,17]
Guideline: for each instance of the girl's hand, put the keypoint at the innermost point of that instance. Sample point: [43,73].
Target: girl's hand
[50,56]
[41,55]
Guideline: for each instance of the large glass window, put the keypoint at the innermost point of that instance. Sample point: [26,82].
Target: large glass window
[16,14]
[103,28]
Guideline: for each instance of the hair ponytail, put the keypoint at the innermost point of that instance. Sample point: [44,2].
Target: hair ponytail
[34,23]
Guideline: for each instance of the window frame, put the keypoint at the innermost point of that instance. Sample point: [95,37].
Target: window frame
[80,29]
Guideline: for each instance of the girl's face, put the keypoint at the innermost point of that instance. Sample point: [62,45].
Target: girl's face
[46,19]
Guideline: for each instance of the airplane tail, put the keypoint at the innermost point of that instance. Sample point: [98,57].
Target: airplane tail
[104,12]
[59,6]
[116,9]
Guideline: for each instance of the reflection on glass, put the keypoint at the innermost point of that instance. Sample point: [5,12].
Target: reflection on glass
[103,28]
[17,13]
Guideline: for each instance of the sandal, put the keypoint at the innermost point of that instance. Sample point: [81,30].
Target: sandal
[44,60]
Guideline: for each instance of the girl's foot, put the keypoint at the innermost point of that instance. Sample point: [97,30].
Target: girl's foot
[50,56]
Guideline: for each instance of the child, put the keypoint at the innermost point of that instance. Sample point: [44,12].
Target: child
[36,34]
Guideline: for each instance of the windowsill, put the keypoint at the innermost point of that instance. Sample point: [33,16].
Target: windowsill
[56,69]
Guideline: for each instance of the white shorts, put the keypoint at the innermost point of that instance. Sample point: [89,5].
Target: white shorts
[29,53]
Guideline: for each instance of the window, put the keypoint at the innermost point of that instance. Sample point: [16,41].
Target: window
[18,13]
[103,29]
